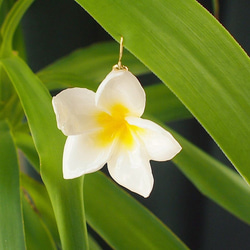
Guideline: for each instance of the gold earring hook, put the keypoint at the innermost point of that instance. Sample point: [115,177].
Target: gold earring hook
[119,65]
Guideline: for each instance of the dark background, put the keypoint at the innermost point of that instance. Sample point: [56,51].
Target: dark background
[54,28]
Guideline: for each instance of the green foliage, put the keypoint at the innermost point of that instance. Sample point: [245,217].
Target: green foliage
[66,195]
[205,69]
[121,221]
[212,178]
[37,195]
[10,24]
[87,67]
[80,67]
[11,230]
[35,230]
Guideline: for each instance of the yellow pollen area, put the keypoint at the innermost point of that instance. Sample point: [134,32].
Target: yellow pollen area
[114,126]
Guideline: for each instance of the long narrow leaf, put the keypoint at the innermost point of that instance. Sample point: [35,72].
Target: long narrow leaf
[87,67]
[42,205]
[213,179]
[40,199]
[12,231]
[25,143]
[121,220]
[37,235]
[66,195]
[195,56]
[10,24]
[164,105]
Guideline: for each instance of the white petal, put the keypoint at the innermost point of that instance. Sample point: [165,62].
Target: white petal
[132,170]
[121,87]
[160,144]
[81,155]
[75,109]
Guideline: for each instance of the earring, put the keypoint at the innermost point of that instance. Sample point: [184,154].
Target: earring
[106,127]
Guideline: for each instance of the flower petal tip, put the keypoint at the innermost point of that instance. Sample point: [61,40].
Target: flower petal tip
[178,149]
[146,194]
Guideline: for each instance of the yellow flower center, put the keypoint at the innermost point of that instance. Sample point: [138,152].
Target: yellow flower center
[114,126]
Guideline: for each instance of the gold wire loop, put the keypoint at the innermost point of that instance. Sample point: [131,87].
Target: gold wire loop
[119,65]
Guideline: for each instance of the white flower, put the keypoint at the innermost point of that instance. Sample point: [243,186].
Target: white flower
[105,127]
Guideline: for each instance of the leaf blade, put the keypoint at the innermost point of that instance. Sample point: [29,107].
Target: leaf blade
[12,231]
[10,24]
[104,215]
[87,67]
[207,70]
[213,179]
[65,195]
[36,233]
[40,199]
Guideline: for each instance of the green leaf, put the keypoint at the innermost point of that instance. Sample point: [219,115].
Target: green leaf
[18,41]
[121,220]
[10,15]
[160,105]
[163,104]
[5,6]
[12,231]
[40,199]
[10,25]
[10,107]
[87,67]
[6,93]
[42,205]
[213,179]
[158,101]
[66,195]
[25,143]
[37,235]
[205,68]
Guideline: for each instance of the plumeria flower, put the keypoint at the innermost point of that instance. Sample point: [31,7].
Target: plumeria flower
[106,127]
